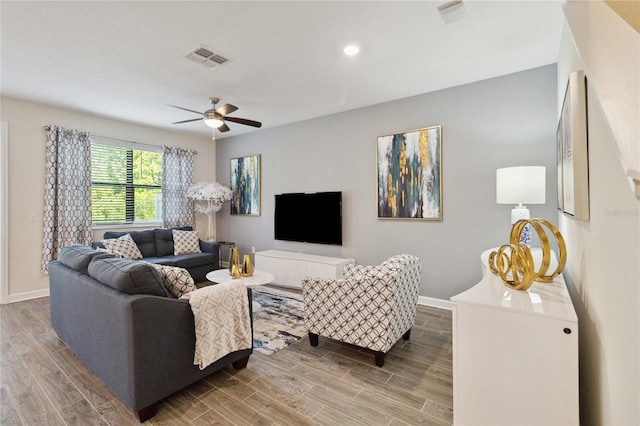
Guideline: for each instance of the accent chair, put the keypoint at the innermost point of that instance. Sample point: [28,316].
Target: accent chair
[371,306]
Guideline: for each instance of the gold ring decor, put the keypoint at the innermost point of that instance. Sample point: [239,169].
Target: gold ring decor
[516,270]
[513,262]
[537,224]
[492,261]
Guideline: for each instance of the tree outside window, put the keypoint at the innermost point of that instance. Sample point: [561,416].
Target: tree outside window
[126,185]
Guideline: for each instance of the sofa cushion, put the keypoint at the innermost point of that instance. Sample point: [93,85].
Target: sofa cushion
[128,276]
[166,260]
[145,240]
[164,240]
[104,254]
[176,280]
[77,256]
[185,242]
[123,246]
[193,260]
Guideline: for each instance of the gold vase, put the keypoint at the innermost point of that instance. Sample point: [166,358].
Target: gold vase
[235,271]
[234,263]
[247,266]
[233,257]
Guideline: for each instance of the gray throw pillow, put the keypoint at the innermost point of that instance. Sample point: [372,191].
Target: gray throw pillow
[128,276]
[77,256]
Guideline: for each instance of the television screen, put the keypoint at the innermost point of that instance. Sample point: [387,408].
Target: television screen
[309,217]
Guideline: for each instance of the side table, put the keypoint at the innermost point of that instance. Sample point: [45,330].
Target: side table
[228,245]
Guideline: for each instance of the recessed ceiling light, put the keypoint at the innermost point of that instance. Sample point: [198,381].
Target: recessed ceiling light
[351,50]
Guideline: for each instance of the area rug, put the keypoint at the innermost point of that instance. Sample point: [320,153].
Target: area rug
[279,322]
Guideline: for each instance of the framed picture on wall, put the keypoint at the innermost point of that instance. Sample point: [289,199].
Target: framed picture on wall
[410,175]
[245,185]
[572,150]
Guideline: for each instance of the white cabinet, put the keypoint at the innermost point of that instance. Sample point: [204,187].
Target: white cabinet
[515,354]
[290,267]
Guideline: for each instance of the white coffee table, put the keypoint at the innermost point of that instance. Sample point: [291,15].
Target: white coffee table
[258,278]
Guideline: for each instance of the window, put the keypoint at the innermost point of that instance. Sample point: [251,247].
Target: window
[126,184]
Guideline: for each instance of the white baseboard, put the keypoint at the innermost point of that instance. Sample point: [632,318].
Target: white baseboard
[27,295]
[422,300]
[436,303]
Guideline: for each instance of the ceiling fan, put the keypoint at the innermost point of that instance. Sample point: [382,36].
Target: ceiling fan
[216,117]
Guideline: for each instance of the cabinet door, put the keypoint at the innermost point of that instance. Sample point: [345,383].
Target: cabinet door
[291,272]
[321,270]
[514,368]
[267,264]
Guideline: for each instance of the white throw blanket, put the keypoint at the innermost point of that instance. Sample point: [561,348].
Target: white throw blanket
[223,325]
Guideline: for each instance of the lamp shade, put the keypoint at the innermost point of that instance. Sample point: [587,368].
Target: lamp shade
[520,185]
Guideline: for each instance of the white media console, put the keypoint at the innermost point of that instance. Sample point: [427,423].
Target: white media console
[290,267]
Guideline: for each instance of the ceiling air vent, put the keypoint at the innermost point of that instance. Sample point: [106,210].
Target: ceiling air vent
[452,12]
[207,57]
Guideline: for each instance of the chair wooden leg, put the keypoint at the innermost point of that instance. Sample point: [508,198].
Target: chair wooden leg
[241,363]
[313,339]
[380,358]
[407,335]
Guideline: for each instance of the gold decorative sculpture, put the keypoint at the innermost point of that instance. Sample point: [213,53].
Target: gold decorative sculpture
[234,263]
[235,272]
[519,266]
[514,263]
[233,257]
[537,224]
[247,266]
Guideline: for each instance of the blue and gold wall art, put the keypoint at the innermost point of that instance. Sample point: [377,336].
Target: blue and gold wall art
[245,185]
[410,175]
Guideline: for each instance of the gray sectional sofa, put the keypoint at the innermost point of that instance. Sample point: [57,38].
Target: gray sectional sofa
[118,318]
[156,246]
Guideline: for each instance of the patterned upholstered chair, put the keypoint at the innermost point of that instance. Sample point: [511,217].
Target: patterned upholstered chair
[371,307]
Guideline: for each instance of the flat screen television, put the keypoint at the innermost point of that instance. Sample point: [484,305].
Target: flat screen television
[309,217]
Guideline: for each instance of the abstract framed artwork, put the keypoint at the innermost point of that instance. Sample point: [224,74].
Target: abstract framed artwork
[410,175]
[245,185]
[572,150]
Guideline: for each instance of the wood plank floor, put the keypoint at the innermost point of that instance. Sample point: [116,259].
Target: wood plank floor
[43,383]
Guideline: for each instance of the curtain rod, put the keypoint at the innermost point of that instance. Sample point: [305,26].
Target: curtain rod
[122,140]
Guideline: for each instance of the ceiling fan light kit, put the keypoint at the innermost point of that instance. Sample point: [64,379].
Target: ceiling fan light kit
[212,121]
[216,117]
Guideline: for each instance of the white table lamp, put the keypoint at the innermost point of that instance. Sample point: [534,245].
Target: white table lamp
[521,185]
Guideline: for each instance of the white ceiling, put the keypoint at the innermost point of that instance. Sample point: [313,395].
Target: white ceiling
[124,59]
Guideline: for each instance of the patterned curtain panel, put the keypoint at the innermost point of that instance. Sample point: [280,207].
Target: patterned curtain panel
[177,176]
[67,197]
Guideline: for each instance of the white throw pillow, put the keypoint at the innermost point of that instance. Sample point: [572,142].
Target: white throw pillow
[123,246]
[185,242]
[176,280]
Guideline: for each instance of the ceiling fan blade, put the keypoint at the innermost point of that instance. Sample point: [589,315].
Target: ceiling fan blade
[226,109]
[185,109]
[223,128]
[244,121]
[187,121]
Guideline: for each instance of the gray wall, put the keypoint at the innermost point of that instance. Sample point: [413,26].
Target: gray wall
[501,122]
